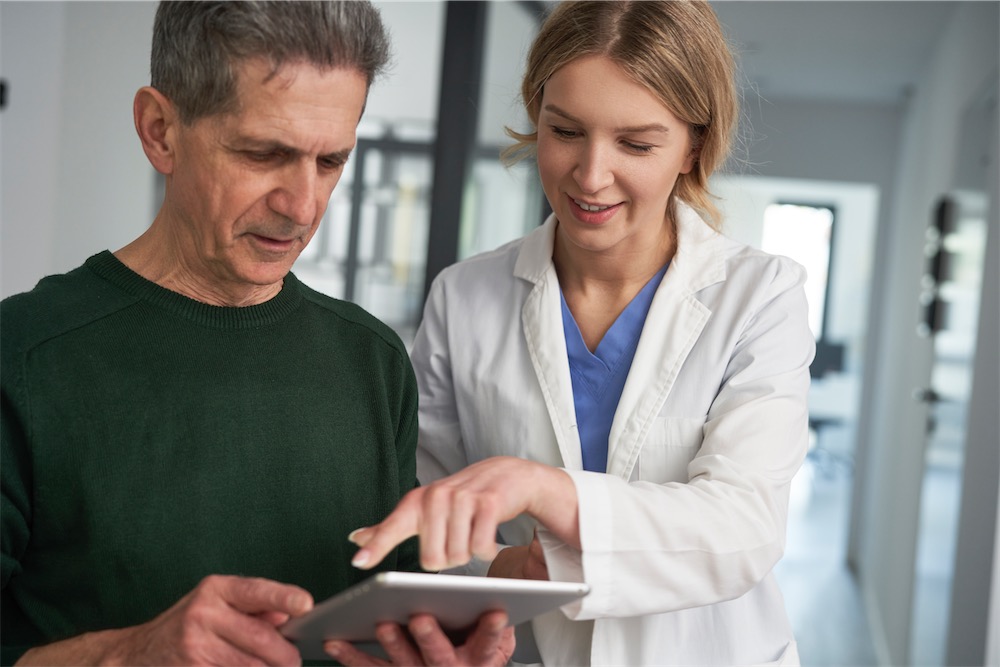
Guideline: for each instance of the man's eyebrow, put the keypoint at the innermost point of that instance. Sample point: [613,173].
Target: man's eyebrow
[269,146]
[337,156]
[636,129]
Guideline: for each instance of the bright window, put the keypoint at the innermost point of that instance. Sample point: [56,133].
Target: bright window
[803,233]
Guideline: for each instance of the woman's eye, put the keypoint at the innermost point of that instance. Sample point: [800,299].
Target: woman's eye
[563,133]
[638,148]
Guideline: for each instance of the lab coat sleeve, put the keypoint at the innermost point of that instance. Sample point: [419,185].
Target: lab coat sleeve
[440,451]
[653,548]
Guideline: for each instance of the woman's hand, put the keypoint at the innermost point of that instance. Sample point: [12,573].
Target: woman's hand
[522,562]
[456,517]
[490,645]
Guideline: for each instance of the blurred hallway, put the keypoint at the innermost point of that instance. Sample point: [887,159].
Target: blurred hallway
[821,594]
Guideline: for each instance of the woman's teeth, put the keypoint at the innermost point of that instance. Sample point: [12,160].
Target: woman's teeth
[587,207]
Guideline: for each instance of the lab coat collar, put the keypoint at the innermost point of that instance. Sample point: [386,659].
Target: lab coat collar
[675,320]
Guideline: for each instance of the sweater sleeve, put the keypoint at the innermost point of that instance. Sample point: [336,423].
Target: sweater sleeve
[15,506]
[406,445]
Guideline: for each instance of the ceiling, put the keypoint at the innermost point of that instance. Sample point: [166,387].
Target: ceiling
[858,51]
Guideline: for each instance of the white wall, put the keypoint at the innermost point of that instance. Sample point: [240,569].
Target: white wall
[410,91]
[975,616]
[510,29]
[28,132]
[74,178]
[892,437]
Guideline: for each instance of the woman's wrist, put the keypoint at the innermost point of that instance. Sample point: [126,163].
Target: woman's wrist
[556,504]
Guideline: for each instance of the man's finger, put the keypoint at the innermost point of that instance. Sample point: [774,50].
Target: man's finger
[397,645]
[255,637]
[435,647]
[254,595]
[484,644]
[348,654]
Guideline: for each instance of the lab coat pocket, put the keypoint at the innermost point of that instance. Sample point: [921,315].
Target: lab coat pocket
[788,658]
[669,447]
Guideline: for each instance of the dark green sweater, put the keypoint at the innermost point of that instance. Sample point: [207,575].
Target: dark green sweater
[150,440]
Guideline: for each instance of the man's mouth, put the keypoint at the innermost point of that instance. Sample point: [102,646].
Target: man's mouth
[273,243]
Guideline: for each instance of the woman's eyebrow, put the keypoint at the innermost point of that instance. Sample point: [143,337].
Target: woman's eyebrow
[636,129]
[652,127]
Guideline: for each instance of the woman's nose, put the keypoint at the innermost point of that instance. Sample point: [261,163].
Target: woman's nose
[593,171]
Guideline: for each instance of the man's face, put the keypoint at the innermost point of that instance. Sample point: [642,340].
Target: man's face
[247,190]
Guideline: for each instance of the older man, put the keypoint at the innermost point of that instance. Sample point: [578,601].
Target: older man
[190,433]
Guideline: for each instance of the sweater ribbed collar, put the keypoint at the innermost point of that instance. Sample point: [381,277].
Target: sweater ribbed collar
[108,267]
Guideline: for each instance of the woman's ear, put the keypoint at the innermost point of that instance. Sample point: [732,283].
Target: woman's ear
[690,160]
[697,135]
[156,122]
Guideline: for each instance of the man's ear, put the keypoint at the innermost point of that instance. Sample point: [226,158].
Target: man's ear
[156,122]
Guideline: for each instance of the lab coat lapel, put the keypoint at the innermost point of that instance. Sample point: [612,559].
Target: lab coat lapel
[675,321]
[541,321]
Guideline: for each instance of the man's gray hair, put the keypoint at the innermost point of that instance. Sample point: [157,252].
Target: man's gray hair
[197,46]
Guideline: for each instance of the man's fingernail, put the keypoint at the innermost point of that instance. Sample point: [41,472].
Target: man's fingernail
[304,602]
[421,627]
[332,649]
[353,536]
[360,559]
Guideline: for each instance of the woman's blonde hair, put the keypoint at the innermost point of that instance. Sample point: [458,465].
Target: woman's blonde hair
[674,48]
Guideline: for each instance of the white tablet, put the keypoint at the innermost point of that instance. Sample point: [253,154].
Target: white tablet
[456,601]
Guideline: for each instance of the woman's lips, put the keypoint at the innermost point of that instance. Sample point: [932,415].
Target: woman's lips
[590,216]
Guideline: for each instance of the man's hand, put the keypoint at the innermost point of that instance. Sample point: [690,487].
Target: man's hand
[456,517]
[225,620]
[490,645]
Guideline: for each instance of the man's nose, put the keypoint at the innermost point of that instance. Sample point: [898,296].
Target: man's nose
[297,196]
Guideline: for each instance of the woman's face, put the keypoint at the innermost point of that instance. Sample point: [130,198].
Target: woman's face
[609,153]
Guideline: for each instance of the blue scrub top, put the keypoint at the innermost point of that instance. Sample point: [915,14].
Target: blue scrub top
[599,377]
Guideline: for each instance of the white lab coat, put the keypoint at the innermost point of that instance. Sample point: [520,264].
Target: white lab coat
[680,535]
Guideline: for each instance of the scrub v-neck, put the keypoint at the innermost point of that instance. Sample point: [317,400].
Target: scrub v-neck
[599,377]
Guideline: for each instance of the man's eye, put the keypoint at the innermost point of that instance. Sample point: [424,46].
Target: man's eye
[331,164]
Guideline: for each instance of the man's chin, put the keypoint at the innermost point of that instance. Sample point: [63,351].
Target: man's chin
[265,274]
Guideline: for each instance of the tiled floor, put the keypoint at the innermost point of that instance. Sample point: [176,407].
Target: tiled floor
[821,595]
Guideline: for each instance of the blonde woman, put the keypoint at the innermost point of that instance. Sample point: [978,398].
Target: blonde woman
[624,382]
